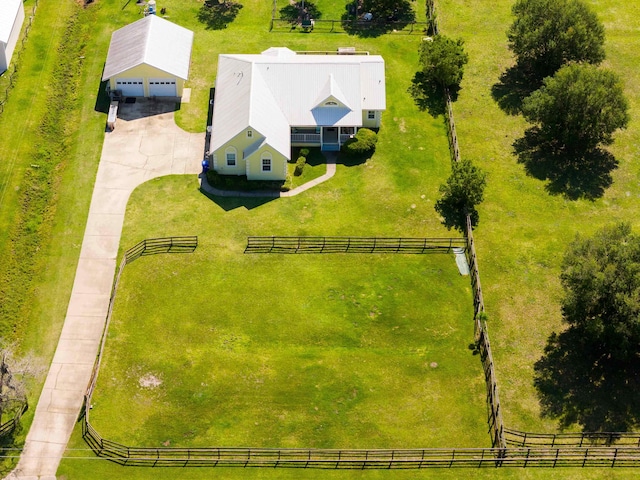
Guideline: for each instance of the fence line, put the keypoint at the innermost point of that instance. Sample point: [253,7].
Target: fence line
[352,25]
[276,244]
[15,60]
[150,246]
[358,459]
[577,439]
[10,425]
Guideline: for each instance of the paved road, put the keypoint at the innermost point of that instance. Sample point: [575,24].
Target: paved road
[145,144]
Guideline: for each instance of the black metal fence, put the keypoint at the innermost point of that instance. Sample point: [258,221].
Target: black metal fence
[8,78]
[353,245]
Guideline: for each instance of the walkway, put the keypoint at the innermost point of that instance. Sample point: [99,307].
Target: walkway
[331,171]
[145,144]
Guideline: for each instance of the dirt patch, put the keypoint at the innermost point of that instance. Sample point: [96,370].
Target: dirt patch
[149,381]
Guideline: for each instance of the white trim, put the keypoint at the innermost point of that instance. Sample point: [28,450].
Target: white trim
[227,156]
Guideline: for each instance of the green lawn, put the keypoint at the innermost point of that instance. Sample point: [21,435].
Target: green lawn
[524,230]
[324,351]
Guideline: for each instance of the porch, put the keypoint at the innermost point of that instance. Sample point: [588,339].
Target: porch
[327,138]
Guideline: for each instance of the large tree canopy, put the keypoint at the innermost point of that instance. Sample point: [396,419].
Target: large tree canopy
[442,60]
[389,10]
[547,34]
[578,109]
[589,373]
[461,194]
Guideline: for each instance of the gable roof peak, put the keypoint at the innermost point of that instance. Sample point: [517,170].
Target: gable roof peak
[331,92]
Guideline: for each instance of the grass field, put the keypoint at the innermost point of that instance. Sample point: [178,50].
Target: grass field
[324,351]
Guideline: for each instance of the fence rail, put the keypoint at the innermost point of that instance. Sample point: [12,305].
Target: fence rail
[351,25]
[577,439]
[10,425]
[7,79]
[154,246]
[149,246]
[359,459]
[353,245]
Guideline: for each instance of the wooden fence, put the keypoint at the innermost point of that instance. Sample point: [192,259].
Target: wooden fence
[353,245]
[351,26]
[577,439]
[359,459]
[149,246]
[8,427]
[8,78]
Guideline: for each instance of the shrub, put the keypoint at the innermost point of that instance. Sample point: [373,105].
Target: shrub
[300,163]
[304,152]
[364,143]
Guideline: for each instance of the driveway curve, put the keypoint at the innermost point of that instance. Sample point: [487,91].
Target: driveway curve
[145,144]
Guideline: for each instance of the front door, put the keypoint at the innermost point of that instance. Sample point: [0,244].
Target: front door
[330,139]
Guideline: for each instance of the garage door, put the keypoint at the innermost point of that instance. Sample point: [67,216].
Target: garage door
[131,87]
[162,87]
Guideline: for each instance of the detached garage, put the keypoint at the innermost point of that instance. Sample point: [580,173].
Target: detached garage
[149,58]
[11,18]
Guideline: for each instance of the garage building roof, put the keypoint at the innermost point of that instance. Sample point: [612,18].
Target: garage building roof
[152,41]
[8,13]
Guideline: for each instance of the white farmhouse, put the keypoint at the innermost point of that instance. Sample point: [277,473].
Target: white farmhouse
[265,104]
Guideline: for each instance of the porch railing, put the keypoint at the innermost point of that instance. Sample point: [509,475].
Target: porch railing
[305,138]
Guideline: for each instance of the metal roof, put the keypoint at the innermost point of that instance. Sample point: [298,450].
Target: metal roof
[152,41]
[272,91]
[8,12]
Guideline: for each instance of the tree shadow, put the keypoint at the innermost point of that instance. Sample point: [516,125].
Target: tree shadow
[217,15]
[302,10]
[355,24]
[574,175]
[578,382]
[430,96]
[515,84]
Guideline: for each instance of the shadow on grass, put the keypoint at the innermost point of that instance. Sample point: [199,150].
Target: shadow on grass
[577,382]
[516,84]
[102,98]
[231,203]
[586,175]
[217,15]
[397,19]
[429,96]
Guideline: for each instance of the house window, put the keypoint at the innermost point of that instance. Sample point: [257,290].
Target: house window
[231,156]
[249,133]
[371,115]
[331,104]
[266,162]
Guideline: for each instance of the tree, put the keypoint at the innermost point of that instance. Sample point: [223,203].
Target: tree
[578,109]
[442,60]
[12,390]
[461,194]
[217,14]
[589,373]
[301,10]
[389,10]
[547,34]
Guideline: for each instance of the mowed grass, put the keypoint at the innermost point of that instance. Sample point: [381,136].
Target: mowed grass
[325,351]
[524,230]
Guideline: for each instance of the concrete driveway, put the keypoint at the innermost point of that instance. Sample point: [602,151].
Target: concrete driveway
[145,144]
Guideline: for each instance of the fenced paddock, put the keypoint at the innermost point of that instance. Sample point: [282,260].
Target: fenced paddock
[353,245]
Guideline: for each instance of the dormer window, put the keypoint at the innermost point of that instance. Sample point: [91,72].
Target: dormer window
[331,103]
